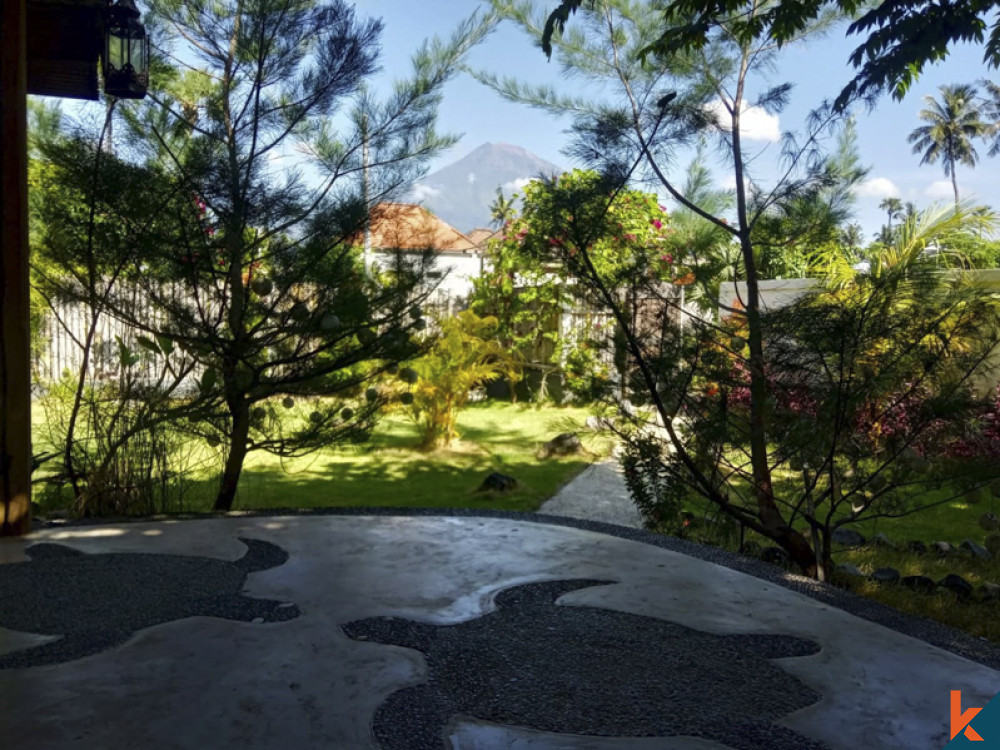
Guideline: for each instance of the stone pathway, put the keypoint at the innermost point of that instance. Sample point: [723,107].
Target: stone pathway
[598,493]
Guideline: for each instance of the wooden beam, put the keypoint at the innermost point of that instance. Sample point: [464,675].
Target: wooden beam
[15,370]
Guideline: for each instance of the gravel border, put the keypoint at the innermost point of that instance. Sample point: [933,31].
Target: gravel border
[955,641]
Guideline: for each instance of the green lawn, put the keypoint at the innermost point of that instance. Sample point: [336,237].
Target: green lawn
[392,472]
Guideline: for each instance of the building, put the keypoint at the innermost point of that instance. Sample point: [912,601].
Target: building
[411,229]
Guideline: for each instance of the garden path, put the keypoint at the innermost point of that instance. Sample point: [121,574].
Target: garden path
[598,493]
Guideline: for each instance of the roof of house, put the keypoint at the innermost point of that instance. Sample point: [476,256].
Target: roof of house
[405,226]
[480,235]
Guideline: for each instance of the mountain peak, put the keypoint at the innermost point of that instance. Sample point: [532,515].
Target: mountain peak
[461,193]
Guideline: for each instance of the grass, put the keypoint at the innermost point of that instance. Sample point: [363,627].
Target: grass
[392,472]
[979,618]
[952,521]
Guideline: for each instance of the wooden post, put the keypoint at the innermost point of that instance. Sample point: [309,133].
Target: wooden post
[15,369]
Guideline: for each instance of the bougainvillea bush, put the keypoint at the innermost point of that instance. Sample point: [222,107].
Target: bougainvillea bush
[533,272]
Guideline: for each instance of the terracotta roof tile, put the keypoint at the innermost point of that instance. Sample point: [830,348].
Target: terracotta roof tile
[405,226]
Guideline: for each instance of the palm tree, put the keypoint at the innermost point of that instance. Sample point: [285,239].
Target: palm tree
[952,124]
[501,209]
[851,237]
[893,207]
[991,111]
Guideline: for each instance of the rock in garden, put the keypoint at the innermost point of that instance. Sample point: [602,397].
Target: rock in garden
[989,522]
[977,495]
[563,444]
[956,584]
[847,537]
[919,583]
[848,569]
[988,592]
[881,540]
[497,482]
[993,544]
[774,555]
[917,547]
[885,575]
[942,548]
[976,550]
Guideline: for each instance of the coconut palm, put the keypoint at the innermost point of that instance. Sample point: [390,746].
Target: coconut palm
[991,111]
[851,238]
[952,124]
[502,209]
[893,207]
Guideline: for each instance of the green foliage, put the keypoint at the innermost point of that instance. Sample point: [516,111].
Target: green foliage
[464,355]
[899,37]
[657,488]
[127,459]
[535,266]
[809,216]
[245,281]
[726,394]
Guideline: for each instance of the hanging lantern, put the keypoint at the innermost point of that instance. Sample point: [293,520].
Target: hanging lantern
[126,53]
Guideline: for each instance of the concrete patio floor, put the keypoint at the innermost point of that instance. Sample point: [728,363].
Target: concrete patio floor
[465,631]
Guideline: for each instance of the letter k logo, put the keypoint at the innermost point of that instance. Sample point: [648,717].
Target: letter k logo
[960,721]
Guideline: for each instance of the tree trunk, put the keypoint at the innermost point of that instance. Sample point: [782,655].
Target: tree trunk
[954,185]
[775,525]
[799,550]
[237,453]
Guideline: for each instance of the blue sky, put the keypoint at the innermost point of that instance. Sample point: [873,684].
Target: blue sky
[818,70]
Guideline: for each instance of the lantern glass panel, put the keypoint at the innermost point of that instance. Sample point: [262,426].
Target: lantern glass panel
[117,50]
[137,49]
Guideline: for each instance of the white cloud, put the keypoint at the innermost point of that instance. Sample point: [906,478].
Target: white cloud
[471,177]
[878,187]
[422,191]
[755,123]
[728,182]
[940,189]
[517,184]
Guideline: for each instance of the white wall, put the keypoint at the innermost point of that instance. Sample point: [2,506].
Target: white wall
[774,293]
[457,271]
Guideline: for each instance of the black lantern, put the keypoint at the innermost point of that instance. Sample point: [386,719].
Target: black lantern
[126,53]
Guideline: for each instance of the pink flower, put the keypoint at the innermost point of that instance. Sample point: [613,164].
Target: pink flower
[630,237]
[663,208]
[657,223]
[668,258]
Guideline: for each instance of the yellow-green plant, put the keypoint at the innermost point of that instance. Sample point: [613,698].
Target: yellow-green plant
[465,355]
